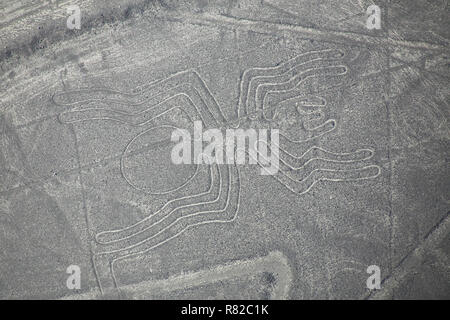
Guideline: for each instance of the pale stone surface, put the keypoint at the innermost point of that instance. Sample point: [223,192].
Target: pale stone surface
[67,176]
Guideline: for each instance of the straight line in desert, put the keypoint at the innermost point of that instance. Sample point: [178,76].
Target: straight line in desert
[275,262]
[412,261]
[312,33]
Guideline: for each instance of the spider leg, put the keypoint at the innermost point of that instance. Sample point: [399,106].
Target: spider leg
[171,209]
[300,174]
[254,77]
[302,119]
[224,210]
[185,90]
[286,84]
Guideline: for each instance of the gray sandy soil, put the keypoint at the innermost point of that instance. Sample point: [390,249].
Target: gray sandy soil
[80,156]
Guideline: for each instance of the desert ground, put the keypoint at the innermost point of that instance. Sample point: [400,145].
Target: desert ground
[86,176]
